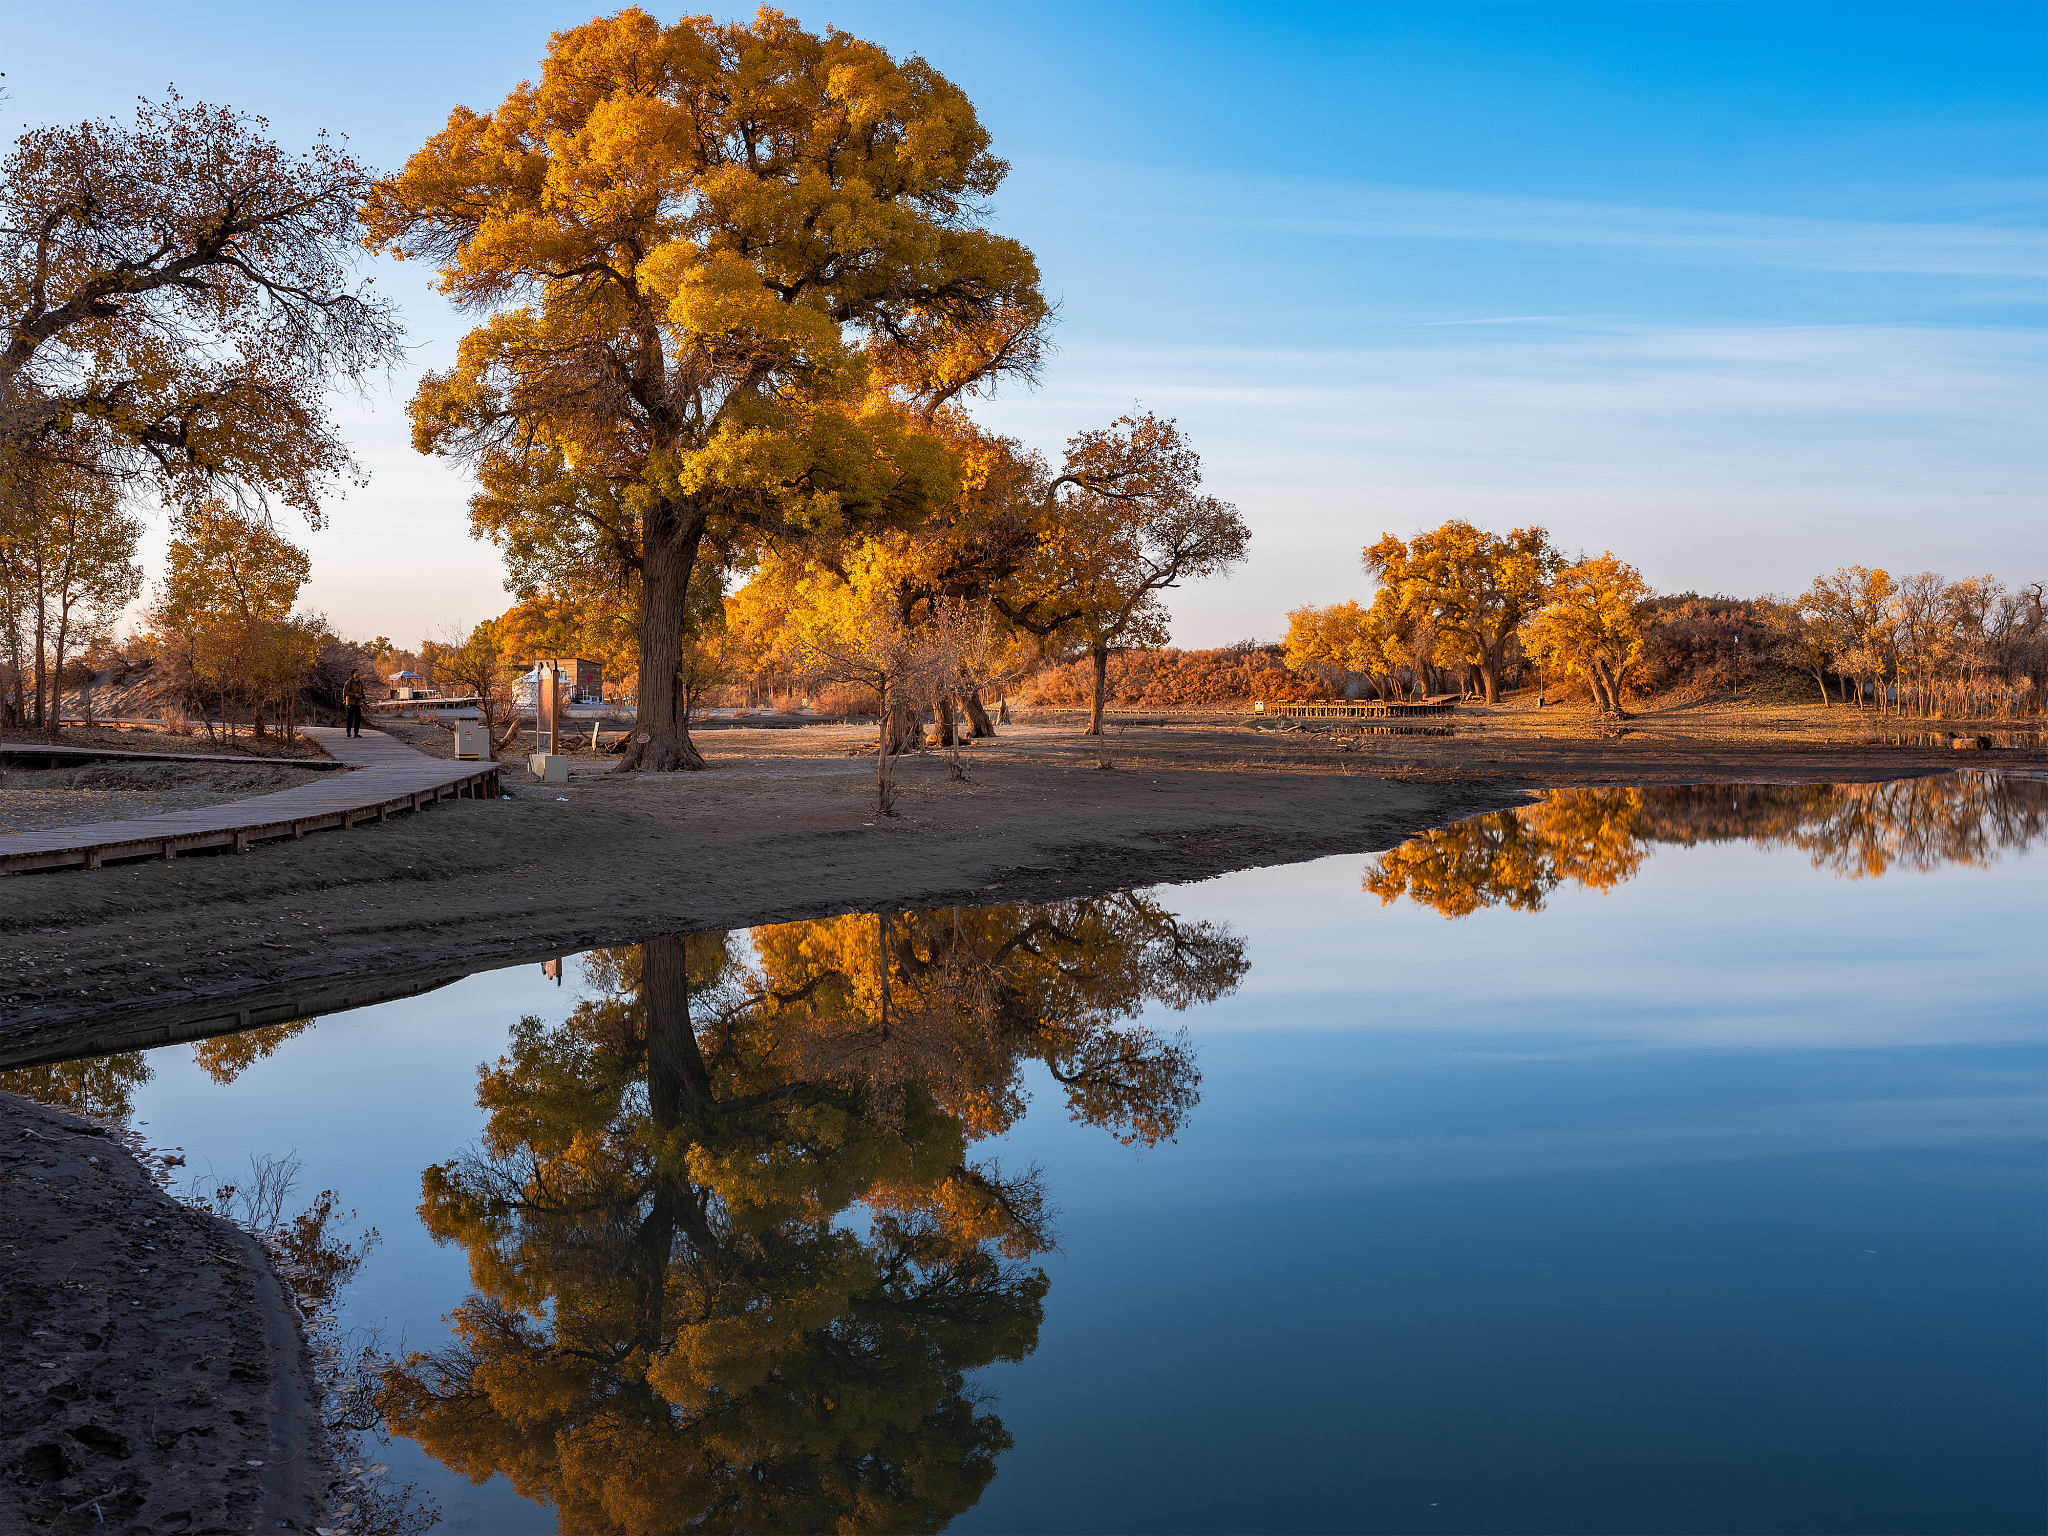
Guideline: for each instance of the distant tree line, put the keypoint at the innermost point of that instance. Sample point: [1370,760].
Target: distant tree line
[1460,609]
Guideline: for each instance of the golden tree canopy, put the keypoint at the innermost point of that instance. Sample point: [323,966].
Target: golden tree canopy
[1592,625]
[728,268]
[227,568]
[1469,586]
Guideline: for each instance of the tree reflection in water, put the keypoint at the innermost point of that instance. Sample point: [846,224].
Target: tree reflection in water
[103,1087]
[1598,838]
[674,1321]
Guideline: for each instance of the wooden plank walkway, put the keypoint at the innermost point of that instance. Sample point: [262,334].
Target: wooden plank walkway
[389,776]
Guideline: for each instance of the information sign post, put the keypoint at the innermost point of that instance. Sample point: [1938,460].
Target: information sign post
[547,763]
[547,708]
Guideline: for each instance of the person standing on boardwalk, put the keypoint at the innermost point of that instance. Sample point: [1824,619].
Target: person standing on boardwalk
[352,697]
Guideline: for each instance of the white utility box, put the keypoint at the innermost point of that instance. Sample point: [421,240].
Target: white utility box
[471,742]
[549,767]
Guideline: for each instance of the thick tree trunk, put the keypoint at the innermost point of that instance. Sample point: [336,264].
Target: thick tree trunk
[661,727]
[678,1085]
[1609,687]
[1100,656]
[945,732]
[679,1095]
[978,721]
[1489,679]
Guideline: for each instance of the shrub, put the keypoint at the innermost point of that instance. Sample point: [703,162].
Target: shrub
[1176,679]
[1701,642]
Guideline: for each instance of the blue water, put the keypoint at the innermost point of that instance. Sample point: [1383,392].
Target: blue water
[1710,1203]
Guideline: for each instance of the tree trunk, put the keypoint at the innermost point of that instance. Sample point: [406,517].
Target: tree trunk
[661,727]
[40,656]
[903,726]
[944,732]
[978,721]
[1489,678]
[886,748]
[678,1086]
[1099,654]
[17,708]
[57,677]
[1821,678]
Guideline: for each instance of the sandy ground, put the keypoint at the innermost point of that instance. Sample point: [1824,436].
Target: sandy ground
[784,827]
[153,738]
[152,1376]
[32,800]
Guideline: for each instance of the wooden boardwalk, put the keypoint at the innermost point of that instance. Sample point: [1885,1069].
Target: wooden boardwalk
[1372,711]
[389,776]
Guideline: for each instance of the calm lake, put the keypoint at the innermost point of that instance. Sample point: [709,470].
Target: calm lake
[1661,1160]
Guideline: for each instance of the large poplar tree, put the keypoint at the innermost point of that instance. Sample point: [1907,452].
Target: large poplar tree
[727,269]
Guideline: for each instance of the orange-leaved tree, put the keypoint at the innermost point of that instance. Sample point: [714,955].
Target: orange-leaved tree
[67,567]
[733,1258]
[851,630]
[1852,608]
[724,267]
[1592,626]
[231,584]
[1468,586]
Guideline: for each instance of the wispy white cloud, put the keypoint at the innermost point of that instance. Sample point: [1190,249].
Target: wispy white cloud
[1736,458]
[1989,245]
[1787,1130]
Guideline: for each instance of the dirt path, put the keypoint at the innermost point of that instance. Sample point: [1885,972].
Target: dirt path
[152,1374]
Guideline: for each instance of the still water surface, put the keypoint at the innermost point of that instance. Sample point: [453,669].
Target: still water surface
[1662,1160]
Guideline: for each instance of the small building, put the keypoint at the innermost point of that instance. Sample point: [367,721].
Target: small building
[406,685]
[582,680]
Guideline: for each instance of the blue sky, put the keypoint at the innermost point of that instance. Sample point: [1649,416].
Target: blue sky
[1741,291]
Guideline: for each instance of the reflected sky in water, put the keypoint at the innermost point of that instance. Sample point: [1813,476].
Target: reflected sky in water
[1691,1180]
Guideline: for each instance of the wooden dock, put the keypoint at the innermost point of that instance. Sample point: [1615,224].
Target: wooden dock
[400,706]
[389,776]
[1371,711]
